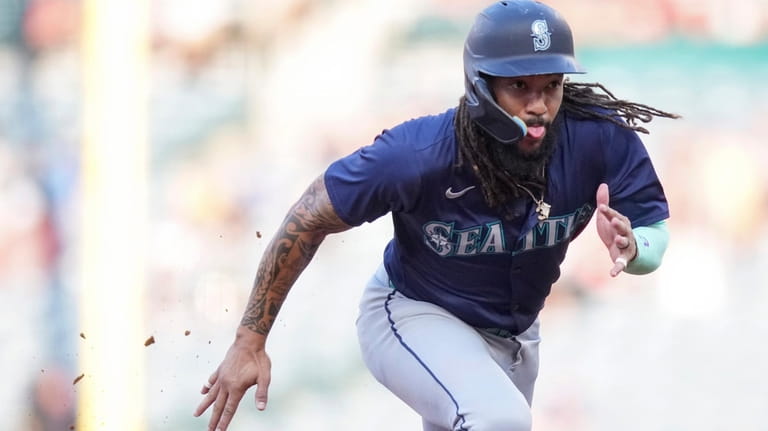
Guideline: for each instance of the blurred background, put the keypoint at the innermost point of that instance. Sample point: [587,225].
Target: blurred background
[226,109]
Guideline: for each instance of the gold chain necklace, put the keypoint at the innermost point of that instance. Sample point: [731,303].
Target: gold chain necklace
[542,208]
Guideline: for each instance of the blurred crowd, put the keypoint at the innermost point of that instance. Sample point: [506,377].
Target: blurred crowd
[250,100]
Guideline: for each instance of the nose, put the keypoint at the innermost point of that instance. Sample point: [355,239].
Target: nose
[536,104]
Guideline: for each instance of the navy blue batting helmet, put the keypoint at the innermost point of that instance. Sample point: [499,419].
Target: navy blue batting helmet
[513,38]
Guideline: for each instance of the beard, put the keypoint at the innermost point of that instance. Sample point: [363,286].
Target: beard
[525,167]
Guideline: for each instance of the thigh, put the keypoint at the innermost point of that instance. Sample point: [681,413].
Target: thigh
[518,357]
[437,364]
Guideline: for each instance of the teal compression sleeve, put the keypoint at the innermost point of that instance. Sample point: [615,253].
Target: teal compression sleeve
[651,244]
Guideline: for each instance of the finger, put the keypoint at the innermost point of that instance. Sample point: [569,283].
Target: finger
[228,412]
[262,391]
[218,409]
[618,265]
[205,403]
[209,383]
[617,219]
[230,407]
[602,195]
[609,212]
[623,237]
[622,242]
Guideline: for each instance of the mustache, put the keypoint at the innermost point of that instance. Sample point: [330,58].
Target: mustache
[538,121]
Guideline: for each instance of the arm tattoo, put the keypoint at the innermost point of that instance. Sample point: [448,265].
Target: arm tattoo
[305,227]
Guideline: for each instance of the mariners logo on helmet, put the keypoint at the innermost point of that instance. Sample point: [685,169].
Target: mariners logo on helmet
[541,33]
[499,44]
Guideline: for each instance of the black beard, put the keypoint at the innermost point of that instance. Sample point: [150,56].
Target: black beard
[525,168]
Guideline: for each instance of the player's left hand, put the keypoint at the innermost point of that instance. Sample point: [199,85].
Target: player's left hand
[615,231]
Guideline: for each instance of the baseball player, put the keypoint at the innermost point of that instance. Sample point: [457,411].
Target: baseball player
[485,199]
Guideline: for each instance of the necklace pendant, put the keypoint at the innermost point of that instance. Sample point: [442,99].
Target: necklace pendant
[543,210]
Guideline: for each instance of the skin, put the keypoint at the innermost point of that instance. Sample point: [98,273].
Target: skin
[615,230]
[246,363]
[535,99]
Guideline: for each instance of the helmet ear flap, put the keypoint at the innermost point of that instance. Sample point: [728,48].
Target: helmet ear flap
[509,39]
[489,116]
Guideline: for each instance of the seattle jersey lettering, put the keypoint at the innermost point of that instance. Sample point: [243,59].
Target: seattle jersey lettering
[446,241]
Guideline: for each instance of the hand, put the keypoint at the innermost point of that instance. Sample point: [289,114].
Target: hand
[615,231]
[241,368]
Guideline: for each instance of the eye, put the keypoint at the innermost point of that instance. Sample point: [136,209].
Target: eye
[516,84]
[555,84]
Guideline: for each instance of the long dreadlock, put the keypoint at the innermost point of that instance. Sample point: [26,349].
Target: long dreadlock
[577,96]
[499,186]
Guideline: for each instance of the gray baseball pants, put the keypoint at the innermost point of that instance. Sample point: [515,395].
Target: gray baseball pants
[455,376]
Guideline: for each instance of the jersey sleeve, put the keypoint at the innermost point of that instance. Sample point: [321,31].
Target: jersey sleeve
[375,179]
[634,185]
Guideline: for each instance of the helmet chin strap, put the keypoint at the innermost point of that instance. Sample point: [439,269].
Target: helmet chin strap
[505,128]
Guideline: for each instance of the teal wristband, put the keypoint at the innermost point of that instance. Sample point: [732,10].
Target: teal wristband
[651,244]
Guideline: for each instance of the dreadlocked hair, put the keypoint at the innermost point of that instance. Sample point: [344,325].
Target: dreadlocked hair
[579,99]
[579,96]
[496,183]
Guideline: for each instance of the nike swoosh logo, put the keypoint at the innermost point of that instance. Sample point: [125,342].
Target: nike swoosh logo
[450,194]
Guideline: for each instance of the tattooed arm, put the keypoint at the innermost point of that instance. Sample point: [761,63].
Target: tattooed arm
[304,228]
[246,364]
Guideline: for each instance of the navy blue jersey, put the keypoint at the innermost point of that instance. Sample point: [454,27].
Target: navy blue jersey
[450,248]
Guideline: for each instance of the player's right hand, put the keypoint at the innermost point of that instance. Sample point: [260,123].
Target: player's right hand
[241,368]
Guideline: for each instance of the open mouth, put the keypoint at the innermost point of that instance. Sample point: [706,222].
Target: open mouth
[537,131]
